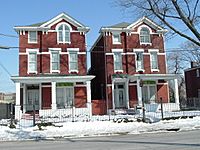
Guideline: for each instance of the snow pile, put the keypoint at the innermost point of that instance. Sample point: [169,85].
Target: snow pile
[96,128]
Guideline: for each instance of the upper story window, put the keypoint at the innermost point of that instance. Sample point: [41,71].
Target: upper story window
[116,38]
[139,61]
[145,35]
[32,37]
[55,61]
[118,60]
[32,61]
[73,59]
[197,73]
[154,60]
[63,33]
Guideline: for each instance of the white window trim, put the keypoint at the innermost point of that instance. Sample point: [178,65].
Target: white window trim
[34,51]
[119,34]
[117,50]
[150,32]
[72,50]
[70,29]
[29,39]
[59,51]
[116,70]
[154,51]
[141,51]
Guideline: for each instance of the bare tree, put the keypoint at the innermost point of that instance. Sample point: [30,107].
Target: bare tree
[182,17]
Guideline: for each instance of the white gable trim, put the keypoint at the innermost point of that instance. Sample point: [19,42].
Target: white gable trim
[59,18]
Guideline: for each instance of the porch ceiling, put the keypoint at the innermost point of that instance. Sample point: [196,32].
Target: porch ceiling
[47,79]
[153,77]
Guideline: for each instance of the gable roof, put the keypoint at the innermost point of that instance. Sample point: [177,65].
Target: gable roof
[125,26]
[47,24]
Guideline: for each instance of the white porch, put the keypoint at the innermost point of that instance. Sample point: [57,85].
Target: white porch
[137,80]
[23,82]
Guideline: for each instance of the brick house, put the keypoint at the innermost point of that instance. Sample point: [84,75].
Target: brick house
[192,81]
[129,62]
[52,67]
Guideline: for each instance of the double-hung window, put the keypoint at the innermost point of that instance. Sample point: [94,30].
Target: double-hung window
[145,35]
[32,62]
[154,60]
[55,61]
[32,37]
[139,61]
[116,38]
[63,33]
[73,61]
[117,54]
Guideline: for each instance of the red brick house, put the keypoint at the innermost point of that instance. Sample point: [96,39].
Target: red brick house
[192,81]
[129,62]
[52,67]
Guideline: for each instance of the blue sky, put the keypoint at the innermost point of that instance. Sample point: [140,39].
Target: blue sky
[92,13]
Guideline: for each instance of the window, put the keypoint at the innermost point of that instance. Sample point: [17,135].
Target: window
[32,62]
[149,93]
[145,35]
[154,60]
[63,33]
[197,72]
[73,61]
[139,61]
[32,37]
[118,61]
[55,61]
[116,38]
[64,97]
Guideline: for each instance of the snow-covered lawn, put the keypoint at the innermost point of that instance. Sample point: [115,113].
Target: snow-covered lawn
[96,128]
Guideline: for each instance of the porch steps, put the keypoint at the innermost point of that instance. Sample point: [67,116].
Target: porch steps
[27,116]
[124,111]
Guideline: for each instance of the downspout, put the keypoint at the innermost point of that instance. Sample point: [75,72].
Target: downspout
[105,73]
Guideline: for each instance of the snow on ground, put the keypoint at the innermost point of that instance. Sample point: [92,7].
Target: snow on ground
[95,128]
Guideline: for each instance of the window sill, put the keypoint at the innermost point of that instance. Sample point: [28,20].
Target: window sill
[115,43]
[140,70]
[32,42]
[118,71]
[155,70]
[55,71]
[145,43]
[64,42]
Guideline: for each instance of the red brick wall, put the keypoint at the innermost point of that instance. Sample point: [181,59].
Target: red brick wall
[192,83]
[99,107]
[46,41]
[46,97]
[162,91]
[80,95]
[133,100]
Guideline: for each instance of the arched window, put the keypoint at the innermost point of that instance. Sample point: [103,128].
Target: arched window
[144,35]
[63,33]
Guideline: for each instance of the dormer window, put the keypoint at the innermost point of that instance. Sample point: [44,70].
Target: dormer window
[63,33]
[116,38]
[32,37]
[145,35]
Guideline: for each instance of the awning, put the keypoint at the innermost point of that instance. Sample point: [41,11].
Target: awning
[52,78]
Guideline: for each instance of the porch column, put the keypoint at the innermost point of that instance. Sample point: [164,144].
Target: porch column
[139,92]
[176,91]
[18,112]
[89,102]
[113,94]
[127,94]
[53,95]
[24,98]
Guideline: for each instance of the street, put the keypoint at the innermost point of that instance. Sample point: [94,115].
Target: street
[189,140]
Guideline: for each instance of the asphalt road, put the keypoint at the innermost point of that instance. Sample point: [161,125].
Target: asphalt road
[189,140]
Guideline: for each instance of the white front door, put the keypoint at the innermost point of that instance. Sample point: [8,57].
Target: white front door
[119,96]
[32,99]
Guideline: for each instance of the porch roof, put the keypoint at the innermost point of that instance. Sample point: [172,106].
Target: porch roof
[147,77]
[51,78]
[153,77]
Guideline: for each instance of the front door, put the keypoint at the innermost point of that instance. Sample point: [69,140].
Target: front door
[119,96]
[32,99]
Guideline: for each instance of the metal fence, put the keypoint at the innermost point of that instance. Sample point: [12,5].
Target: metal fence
[154,111]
